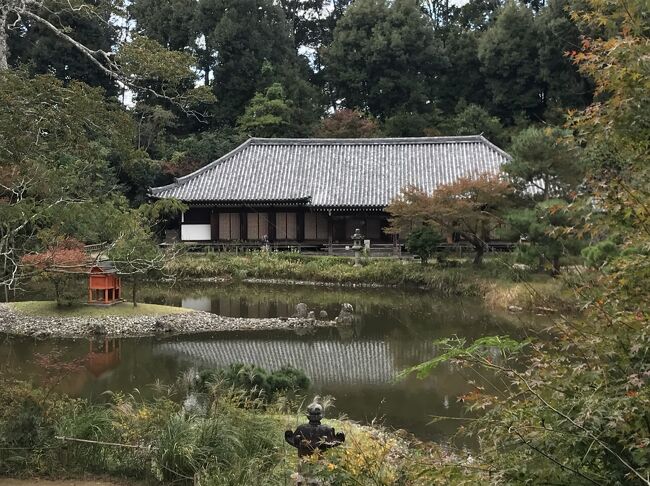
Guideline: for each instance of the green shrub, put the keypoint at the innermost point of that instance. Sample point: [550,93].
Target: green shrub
[599,254]
[267,385]
[424,242]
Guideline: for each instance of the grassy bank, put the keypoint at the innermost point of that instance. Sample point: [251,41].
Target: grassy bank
[45,308]
[496,281]
[238,439]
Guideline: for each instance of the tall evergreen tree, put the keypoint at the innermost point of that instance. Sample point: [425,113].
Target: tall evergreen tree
[462,79]
[564,87]
[509,57]
[477,14]
[385,58]
[304,17]
[33,45]
[247,34]
[171,23]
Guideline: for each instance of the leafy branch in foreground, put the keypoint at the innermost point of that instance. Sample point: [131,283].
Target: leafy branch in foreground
[137,62]
[575,408]
[482,350]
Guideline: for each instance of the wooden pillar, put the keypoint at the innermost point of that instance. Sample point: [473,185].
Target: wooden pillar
[243,225]
[272,223]
[214,225]
[330,230]
[300,225]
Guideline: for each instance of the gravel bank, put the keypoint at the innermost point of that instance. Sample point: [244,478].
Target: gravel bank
[288,281]
[15,323]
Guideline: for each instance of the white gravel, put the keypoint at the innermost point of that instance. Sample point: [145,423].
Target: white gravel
[191,322]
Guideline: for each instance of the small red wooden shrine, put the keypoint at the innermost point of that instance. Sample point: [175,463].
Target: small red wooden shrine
[104,286]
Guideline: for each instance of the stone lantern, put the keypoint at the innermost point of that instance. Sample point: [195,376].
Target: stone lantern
[357,246]
[313,437]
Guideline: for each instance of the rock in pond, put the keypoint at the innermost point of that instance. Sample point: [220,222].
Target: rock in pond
[346,316]
[301,310]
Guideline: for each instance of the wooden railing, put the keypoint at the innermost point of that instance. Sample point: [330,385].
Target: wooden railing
[340,249]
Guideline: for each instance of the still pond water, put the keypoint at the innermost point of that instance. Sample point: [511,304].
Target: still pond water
[358,366]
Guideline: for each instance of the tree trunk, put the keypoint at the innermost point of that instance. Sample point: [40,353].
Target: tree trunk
[478,258]
[556,266]
[57,293]
[135,285]
[540,263]
[4,242]
[4,47]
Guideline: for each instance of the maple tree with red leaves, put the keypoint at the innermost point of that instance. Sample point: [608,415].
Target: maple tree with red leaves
[470,207]
[66,255]
[62,264]
[346,123]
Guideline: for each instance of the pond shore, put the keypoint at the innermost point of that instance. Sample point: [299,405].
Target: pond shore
[498,283]
[192,322]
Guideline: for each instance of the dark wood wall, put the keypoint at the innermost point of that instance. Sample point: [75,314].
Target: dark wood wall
[340,225]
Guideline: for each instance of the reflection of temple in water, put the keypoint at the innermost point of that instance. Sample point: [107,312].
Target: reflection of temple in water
[324,361]
[104,355]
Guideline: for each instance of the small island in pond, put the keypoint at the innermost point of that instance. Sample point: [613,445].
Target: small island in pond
[43,319]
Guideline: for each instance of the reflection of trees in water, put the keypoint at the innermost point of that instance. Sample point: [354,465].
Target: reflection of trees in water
[116,365]
[245,297]
[381,312]
[360,373]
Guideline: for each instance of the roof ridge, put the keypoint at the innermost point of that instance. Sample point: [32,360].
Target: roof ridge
[178,180]
[495,147]
[365,141]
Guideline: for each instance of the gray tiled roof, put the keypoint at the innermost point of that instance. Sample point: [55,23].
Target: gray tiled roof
[335,172]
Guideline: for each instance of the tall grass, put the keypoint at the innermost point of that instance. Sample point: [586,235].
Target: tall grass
[463,279]
[239,440]
[497,281]
[159,441]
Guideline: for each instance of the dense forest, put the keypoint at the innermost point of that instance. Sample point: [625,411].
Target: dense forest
[301,68]
[103,99]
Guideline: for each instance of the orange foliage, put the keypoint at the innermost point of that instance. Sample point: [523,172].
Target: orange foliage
[68,253]
[465,205]
[471,207]
[346,123]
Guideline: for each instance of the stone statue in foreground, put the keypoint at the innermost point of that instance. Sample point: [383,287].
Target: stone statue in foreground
[314,437]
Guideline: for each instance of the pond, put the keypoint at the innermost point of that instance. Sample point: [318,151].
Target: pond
[358,366]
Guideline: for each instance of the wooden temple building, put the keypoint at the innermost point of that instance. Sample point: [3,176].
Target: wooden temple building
[315,192]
